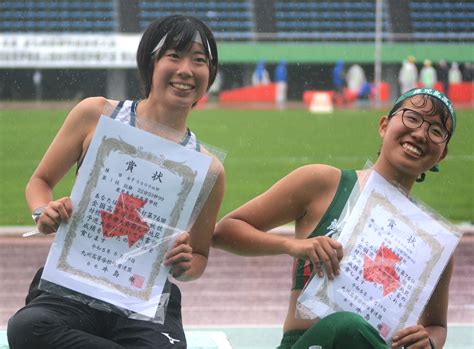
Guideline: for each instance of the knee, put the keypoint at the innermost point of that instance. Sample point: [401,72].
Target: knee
[18,331]
[355,328]
[25,327]
[347,323]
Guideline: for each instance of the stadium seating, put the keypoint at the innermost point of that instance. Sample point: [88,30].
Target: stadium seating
[57,16]
[231,19]
[327,19]
[442,19]
[236,19]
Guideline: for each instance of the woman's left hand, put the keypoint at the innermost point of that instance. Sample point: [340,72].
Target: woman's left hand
[180,256]
[413,337]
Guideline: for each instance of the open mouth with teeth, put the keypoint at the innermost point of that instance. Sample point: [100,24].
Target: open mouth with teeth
[181,86]
[411,149]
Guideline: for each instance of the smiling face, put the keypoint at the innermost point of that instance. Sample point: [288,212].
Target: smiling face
[407,152]
[180,78]
[173,32]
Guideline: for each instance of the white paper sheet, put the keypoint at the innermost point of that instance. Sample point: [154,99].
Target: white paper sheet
[394,254]
[134,193]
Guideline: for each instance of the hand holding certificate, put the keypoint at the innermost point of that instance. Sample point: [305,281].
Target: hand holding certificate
[393,251]
[134,194]
[129,205]
[394,254]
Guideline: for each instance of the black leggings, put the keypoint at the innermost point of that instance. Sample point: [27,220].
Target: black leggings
[50,321]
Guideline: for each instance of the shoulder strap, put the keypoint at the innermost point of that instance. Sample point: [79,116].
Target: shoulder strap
[133,113]
[117,109]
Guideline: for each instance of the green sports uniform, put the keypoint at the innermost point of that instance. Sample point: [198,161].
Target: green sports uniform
[341,330]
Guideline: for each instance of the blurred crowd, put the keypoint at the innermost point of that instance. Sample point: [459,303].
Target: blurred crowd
[349,82]
[429,74]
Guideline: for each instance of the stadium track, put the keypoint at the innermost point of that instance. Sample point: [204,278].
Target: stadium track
[234,291]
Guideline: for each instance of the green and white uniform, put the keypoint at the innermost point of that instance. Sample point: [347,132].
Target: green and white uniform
[340,330]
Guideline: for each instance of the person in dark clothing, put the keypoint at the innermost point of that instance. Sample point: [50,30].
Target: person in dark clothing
[443,75]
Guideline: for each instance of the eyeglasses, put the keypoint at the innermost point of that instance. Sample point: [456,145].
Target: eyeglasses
[413,120]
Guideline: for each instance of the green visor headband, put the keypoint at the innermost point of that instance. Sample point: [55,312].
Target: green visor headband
[430,92]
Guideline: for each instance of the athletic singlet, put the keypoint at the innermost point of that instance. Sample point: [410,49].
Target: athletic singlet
[126,113]
[303,268]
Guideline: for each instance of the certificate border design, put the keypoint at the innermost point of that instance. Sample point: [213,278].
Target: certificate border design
[377,199]
[373,200]
[314,301]
[107,147]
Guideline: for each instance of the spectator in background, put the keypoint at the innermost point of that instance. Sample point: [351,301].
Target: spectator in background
[338,82]
[428,76]
[260,76]
[443,73]
[37,78]
[281,79]
[408,75]
[467,73]
[455,76]
[356,80]
[216,86]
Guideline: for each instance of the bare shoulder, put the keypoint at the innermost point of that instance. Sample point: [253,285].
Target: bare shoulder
[315,176]
[83,118]
[319,170]
[90,109]
[305,184]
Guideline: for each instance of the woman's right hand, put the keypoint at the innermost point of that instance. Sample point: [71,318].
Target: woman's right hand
[320,250]
[54,213]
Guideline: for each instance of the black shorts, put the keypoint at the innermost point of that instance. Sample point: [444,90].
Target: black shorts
[51,321]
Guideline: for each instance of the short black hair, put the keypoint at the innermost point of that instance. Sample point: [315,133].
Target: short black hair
[180,31]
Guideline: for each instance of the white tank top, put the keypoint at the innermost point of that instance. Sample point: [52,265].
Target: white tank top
[125,112]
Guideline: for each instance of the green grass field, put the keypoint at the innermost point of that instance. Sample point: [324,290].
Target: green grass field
[262,146]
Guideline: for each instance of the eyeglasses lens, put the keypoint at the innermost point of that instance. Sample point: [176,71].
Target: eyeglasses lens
[414,120]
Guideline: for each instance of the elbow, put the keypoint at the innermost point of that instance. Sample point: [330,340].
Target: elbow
[36,181]
[223,234]
[30,186]
[218,237]
[31,182]
[217,242]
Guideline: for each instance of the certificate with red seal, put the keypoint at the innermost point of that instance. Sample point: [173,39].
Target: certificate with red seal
[135,192]
[394,253]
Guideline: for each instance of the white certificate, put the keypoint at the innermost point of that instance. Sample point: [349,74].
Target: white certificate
[134,193]
[394,254]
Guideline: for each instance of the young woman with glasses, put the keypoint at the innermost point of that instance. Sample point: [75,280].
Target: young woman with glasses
[415,137]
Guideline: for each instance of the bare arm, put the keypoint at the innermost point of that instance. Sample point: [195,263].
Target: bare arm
[435,315]
[65,150]
[433,321]
[303,192]
[189,255]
